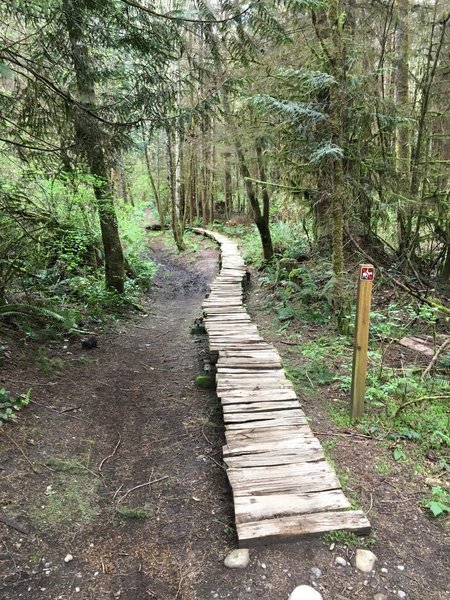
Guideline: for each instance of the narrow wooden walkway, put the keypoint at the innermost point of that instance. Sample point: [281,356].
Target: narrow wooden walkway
[282,485]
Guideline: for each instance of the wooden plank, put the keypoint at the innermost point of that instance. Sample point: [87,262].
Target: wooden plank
[289,529]
[254,371]
[249,417]
[298,479]
[238,396]
[271,458]
[259,406]
[268,434]
[274,423]
[417,346]
[242,448]
[257,508]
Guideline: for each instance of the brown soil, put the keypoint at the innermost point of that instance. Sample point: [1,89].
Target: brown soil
[131,407]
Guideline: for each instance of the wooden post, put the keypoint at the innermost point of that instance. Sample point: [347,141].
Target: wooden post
[360,347]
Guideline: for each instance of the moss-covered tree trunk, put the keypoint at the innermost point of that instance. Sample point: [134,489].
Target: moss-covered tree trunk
[90,137]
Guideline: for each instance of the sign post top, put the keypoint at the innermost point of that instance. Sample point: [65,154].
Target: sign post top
[366,272]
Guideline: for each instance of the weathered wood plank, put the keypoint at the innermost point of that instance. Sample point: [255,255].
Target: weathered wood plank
[256,508]
[241,448]
[288,529]
[271,458]
[239,396]
[297,478]
[250,417]
[257,407]
[281,421]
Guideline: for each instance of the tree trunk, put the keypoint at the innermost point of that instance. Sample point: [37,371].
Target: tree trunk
[402,138]
[89,134]
[262,176]
[152,183]
[260,221]
[172,180]
[228,185]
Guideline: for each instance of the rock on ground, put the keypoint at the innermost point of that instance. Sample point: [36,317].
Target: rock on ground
[365,560]
[305,592]
[237,559]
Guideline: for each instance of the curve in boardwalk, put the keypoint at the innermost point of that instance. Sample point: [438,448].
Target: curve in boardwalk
[283,487]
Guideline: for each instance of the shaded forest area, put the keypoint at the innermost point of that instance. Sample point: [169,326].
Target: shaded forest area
[316,131]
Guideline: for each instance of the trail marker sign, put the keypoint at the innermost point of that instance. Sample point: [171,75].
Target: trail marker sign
[361,343]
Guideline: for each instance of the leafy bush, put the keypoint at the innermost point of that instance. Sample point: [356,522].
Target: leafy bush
[10,404]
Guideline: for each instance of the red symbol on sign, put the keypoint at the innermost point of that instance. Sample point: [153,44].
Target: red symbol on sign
[367,273]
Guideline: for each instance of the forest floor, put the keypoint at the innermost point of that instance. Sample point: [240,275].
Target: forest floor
[107,420]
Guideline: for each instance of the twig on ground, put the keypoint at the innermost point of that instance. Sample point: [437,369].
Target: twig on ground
[117,491]
[289,343]
[206,437]
[14,524]
[347,434]
[23,453]
[216,462]
[59,412]
[371,505]
[141,485]
[116,447]
[34,382]
[435,357]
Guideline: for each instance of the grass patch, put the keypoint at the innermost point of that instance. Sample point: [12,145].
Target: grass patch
[67,465]
[139,512]
[68,503]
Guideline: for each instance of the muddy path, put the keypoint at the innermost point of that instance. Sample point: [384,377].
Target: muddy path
[116,467]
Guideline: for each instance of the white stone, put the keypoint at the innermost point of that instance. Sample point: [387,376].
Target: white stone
[340,561]
[401,594]
[237,559]
[365,560]
[383,570]
[316,572]
[68,558]
[400,567]
[380,596]
[305,592]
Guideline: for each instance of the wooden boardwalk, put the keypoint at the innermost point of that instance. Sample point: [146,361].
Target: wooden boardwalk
[283,487]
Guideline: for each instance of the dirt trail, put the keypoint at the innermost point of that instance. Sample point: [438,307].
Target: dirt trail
[137,407]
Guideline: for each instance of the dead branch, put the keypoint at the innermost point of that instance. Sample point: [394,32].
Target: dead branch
[14,524]
[435,358]
[141,485]
[416,401]
[116,447]
[399,283]
[22,452]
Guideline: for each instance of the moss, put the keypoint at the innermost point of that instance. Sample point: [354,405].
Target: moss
[205,381]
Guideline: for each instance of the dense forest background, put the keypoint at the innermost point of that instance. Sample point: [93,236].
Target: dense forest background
[325,122]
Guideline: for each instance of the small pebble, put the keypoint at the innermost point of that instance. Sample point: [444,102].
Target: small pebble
[316,572]
[383,570]
[68,558]
[400,567]
[380,596]
[77,589]
[340,561]
[401,594]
